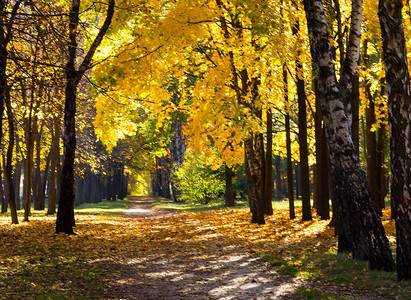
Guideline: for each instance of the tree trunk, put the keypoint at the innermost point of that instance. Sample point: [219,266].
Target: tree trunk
[43,186]
[37,174]
[17,178]
[278,186]
[4,204]
[10,196]
[65,214]
[399,116]
[55,159]
[322,195]
[252,148]
[355,113]
[163,177]
[229,193]
[290,179]
[30,122]
[362,231]
[177,149]
[268,181]
[302,133]
[5,38]
[380,166]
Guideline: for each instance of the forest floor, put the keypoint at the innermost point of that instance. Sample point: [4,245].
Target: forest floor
[151,253]
[207,265]
[215,270]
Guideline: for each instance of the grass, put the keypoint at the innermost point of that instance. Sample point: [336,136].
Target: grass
[191,206]
[107,208]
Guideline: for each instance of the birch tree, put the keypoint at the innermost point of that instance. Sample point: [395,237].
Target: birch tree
[360,231]
[399,117]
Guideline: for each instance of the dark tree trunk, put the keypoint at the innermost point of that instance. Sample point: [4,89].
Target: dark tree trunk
[177,149]
[322,195]
[399,112]
[163,177]
[364,234]
[10,196]
[355,113]
[371,138]
[5,38]
[16,184]
[297,180]
[37,183]
[79,191]
[4,204]
[55,161]
[65,214]
[290,179]
[252,148]
[380,166]
[268,181]
[302,133]
[30,122]
[278,185]
[96,190]
[229,193]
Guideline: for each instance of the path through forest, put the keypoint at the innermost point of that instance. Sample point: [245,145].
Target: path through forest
[180,255]
[219,271]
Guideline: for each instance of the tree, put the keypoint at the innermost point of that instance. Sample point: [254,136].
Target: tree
[65,214]
[399,112]
[362,232]
[5,38]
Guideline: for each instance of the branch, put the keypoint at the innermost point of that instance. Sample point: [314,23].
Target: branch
[10,23]
[89,56]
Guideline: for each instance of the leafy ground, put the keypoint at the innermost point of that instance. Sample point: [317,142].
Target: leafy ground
[152,253]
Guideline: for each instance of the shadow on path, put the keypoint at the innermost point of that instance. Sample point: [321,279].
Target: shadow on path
[200,267]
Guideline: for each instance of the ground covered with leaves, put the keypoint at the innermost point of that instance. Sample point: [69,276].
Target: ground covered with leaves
[149,253]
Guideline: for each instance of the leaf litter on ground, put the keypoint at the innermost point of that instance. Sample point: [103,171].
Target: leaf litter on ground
[37,263]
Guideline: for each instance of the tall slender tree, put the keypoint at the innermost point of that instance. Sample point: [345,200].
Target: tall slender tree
[362,231]
[399,114]
[65,214]
[5,38]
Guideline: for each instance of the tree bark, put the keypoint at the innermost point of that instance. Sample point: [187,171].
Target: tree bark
[229,193]
[37,173]
[399,116]
[17,176]
[4,204]
[302,133]
[362,231]
[252,148]
[322,195]
[268,181]
[177,149]
[5,38]
[8,175]
[163,177]
[290,179]
[278,184]
[55,158]
[65,214]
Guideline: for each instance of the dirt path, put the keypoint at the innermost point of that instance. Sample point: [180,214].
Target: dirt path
[141,207]
[211,269]
[220,272]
